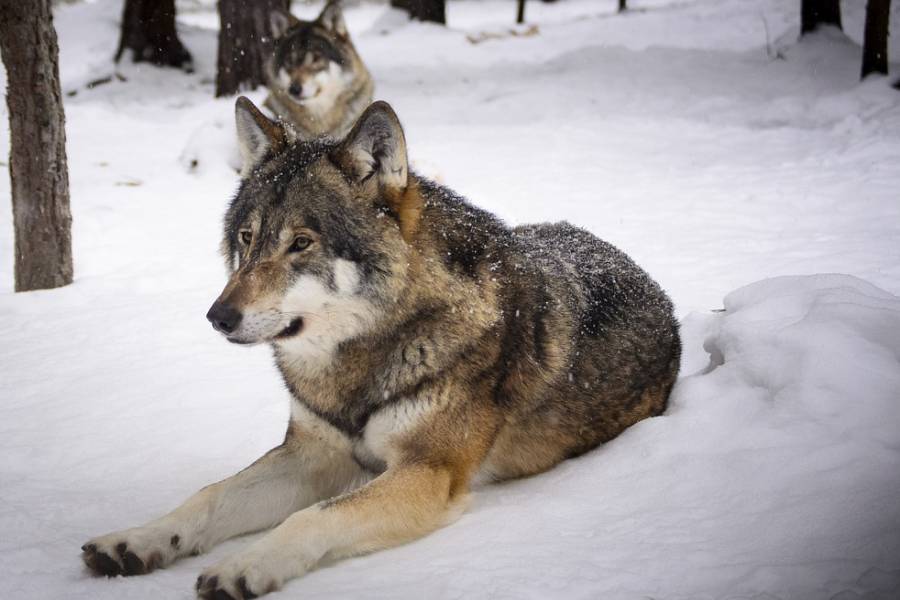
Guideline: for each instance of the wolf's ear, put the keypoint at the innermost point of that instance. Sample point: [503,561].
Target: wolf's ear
[375,152]
[332,18]
[375,148]
[280,21]
[257,134]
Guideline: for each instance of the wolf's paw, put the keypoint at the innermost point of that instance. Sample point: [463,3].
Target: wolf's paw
[130,552]
[239,578]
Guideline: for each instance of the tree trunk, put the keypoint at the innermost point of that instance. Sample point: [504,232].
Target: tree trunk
[433,11]
[819,12]
[875,42]
[148,30]
[37,161]
[520,15]
[623,5]
[245,43]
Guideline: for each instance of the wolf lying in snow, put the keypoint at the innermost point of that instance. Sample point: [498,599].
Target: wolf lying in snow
[425,345]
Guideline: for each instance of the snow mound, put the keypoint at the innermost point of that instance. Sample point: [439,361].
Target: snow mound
[794,429]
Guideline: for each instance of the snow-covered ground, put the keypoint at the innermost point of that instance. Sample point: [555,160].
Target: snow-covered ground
[669,131]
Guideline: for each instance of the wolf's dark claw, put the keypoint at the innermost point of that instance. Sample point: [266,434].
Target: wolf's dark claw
[133,564]
[100,562]
[206,588]
[245,591]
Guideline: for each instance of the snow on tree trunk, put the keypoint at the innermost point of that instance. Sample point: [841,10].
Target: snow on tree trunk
[875,42]
[148,30]
[819,12]
[245,43]
[37,165]
[424,10]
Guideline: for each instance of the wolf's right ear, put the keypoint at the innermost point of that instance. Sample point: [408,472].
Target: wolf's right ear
[257,134]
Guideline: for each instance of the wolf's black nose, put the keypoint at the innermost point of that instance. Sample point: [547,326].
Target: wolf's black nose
[295,89]
[224,317]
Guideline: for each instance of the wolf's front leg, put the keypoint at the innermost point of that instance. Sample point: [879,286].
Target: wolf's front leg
[404,503]
[286,479]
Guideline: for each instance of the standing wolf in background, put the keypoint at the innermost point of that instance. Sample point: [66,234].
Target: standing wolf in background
[425,345]
[317,82]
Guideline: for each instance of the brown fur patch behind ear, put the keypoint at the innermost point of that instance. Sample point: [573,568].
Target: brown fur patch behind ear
[407,205]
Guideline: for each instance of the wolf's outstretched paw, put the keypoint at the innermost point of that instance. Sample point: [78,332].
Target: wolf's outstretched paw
[235,580]
[131,552]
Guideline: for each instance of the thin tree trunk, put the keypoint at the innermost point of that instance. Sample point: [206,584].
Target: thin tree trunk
[37,162]
[245,43]
[433,11]
[520,15]
[623,5]
[875,42]
[819,12]
[148,30]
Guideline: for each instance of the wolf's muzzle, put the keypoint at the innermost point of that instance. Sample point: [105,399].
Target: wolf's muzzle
[224,317]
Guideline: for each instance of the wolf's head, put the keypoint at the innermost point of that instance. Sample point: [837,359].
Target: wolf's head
[316,239]
[314,61]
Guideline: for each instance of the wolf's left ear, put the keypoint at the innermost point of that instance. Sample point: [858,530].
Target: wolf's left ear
[280,21]
[257,134]
[332,18]
[375,152]
[375,149]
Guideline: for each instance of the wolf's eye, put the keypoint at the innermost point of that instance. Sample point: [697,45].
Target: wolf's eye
[246,237]
[301,243]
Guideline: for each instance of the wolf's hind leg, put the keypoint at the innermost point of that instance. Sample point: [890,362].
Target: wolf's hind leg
[286,479]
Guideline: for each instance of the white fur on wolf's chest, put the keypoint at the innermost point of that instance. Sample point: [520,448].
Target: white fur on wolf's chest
[377,446]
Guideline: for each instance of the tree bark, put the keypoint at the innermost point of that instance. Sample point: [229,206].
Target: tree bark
[148,30]
[819,12]
[623,5]
[875,39]
[520,15]
[433,11]
[245,43]
[37,161]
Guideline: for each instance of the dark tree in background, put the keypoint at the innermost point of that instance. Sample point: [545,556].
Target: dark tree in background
[623,5]
[875,41]
[424,10]
[37,161]
[819,12]
[148,30]
[245,43]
